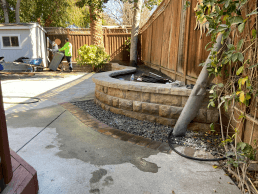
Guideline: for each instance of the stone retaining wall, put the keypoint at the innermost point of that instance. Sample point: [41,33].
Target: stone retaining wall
[158,103]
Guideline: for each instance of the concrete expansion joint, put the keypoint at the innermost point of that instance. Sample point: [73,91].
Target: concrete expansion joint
[104,129]
[41,131]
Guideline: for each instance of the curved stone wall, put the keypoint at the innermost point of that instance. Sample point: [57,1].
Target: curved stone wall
[158,103]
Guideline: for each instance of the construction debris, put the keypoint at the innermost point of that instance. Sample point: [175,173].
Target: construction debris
[152,78]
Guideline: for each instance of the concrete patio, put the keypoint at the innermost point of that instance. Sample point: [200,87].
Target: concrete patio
[72,156]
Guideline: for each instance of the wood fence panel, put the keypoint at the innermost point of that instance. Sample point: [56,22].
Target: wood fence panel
[143,45]
[157,36]
[174,37]
[146,44]
[166,39]
[170,42]
[196,52]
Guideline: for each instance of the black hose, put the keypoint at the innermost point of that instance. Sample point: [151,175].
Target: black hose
[189,157]
[34,98]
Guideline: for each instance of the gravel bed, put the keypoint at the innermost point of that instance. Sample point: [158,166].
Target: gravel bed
[157,132]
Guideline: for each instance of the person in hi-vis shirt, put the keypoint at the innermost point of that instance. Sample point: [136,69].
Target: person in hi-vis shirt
[68,48]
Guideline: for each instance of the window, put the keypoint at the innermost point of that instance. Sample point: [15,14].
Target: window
[10,41]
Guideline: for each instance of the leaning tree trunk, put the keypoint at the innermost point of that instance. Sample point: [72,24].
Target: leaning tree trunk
[198,93]
[96,27]
[17,11]
[6,15]
[135,31]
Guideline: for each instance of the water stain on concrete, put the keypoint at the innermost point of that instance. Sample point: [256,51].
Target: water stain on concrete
[144,165]
[97,175]
[108,181]
[95,191]
[189,151]
[50,146]
[75,137]
[97,183]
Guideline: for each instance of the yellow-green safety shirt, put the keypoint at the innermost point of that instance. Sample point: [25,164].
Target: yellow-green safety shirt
[68,48]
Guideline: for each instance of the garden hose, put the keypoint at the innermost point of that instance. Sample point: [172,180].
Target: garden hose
[34,98]
[189,157]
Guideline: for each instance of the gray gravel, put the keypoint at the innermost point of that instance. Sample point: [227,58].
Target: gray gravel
[154,131]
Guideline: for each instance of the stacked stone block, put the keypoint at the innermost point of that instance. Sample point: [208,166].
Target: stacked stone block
[158,103]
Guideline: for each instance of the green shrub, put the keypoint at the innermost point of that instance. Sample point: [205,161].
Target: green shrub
[92,55]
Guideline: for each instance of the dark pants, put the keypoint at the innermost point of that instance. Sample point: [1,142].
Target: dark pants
[69,61]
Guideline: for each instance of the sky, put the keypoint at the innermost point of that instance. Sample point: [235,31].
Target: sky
[112,5]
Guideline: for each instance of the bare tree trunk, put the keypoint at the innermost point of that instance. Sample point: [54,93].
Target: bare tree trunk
[17,11]
[6,15]
[96,27]
[135,31]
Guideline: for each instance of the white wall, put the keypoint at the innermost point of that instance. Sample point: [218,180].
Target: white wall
[25,43]
[32,44]
[44,48]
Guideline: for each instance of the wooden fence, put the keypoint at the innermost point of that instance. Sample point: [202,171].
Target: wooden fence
[170,44]
[114,40]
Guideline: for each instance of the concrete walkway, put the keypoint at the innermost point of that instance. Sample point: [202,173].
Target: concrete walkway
[72,157]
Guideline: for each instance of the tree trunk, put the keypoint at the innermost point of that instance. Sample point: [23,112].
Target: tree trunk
[96,27]
[5,8]
[17,11]
[135,31]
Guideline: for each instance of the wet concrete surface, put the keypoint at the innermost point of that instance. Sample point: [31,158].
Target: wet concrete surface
[81,142]
[71,157]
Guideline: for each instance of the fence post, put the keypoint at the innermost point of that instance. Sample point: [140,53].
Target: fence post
[68,34]
[4,144]
[180,56]
[106,40]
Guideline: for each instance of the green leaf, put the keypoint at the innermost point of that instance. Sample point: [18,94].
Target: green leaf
[240,57]
[253,66]
[221,85]
[212,127]
[240,70]
[187,4]
[236,20]
[227,3]
[212,103]
[240,44]
[254,33]
[248,96]
[241,27]
[234,57]
[252,13]
[241,145]
[241,116]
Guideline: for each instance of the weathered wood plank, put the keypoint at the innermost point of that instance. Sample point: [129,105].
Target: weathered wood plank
[15,164]
[22,162]
[28,185]
[157,40]
[18,176]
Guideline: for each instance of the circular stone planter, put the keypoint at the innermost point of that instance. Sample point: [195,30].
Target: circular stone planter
[158,103]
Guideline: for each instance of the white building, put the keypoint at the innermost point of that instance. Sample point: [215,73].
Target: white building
[23,40]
